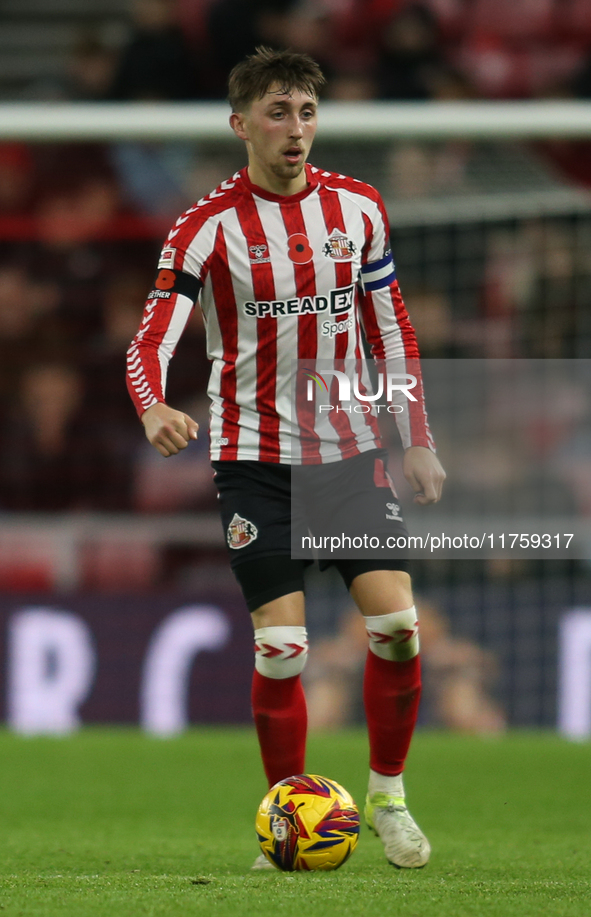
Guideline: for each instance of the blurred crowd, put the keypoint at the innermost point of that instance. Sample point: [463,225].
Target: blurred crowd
[369,49]
[77,260]
[398,50]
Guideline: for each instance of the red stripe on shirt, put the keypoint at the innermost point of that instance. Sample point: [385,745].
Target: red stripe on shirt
[333,219]
[369,232]
[221,281]
[266,355]
[419,430]
[368,238]
[307,325]
[416,409]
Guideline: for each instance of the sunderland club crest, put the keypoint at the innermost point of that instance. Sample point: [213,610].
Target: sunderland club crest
[241,532]
[339,247]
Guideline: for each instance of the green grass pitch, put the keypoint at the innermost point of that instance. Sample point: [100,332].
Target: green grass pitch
[111,823]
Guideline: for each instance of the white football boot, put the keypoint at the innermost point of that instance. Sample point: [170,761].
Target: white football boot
[405,845]
[262,862]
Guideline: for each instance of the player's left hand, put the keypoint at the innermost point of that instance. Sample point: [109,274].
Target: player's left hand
[424,473]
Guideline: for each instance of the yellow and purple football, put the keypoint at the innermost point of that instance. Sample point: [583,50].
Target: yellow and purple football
[307,822]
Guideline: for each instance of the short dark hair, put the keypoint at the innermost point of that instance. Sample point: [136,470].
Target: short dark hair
[253,76]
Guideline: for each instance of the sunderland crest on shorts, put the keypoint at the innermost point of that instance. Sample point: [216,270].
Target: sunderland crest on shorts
[241,532]
[339,247]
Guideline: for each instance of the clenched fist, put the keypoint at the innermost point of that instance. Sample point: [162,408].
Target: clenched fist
[168,430]
[424,473]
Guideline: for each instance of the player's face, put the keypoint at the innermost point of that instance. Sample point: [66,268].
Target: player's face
[278,130]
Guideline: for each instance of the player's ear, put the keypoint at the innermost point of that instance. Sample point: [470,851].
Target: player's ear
[238,126]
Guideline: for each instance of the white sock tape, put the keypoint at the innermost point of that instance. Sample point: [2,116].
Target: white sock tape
[394,636]
[280,652]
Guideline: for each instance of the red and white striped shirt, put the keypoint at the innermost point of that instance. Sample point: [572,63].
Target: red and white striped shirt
[279,280]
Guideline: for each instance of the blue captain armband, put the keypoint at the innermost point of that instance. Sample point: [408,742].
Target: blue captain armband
[378,274]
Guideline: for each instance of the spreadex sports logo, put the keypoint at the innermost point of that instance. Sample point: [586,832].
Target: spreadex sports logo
[337,302]
[339,326]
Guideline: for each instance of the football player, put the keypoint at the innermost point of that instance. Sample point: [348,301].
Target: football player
[289,262]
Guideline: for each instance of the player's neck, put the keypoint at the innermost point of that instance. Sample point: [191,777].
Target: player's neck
[268,181]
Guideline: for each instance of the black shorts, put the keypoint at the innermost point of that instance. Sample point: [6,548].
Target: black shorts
[262,512]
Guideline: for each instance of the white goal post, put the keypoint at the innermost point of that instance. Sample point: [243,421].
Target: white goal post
[354,121]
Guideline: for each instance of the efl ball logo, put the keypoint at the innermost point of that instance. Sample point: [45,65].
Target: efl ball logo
[307,822]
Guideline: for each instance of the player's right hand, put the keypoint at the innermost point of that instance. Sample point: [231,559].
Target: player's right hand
[168,430]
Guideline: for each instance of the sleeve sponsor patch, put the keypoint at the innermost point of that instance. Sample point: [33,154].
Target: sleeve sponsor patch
[378,274]
[168,282]
[167,256]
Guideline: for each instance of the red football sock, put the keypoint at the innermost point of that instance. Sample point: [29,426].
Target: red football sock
[281,719]
[391,692]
